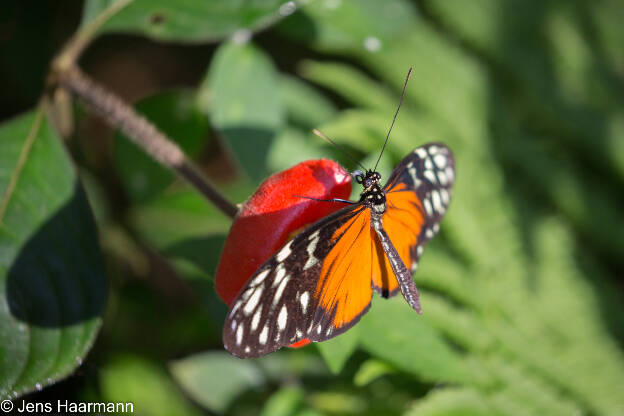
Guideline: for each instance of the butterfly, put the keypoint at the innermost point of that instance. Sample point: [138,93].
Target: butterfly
[320,283]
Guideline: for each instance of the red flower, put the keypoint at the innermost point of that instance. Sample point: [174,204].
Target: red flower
[273,215]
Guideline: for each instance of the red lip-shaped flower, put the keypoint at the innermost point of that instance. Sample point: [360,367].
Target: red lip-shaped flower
[273,215]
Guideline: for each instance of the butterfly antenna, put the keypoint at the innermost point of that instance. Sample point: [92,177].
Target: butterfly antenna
[395,117]
[322,136]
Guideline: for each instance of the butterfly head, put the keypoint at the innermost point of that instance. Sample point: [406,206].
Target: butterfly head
[372,195]
[368,179]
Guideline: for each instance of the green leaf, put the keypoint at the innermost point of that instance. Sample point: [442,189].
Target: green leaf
[133,379]
[215,379]
[459,325]
[525,393]
[351,83]
[337,350]
[306,107]
[371,370]
[285,402]
[364,25]
[395,333]
[241,95]
[176,114]
[52,281]
[451,402]
[191,20]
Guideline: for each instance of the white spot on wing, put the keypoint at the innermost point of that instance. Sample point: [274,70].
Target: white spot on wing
[256,319]
[236,306]
[450,174]
[445,196]
[260,278]
[421,152]
[312,260]
[247,293]
[437,202]
[253,301]
[413,173]
[428,164]
[304,301]
[262,339]
[430,175]
[280,290]
[427,205]
[282,318]
[440,160]
[239,335]
[442,178]
[279,275]
[284,252]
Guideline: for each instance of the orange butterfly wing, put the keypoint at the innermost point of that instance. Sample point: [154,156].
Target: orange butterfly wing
[316,286]
[403,221]
[417,196]
[343,290]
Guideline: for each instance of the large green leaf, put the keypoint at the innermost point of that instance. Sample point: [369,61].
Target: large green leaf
[242,96]
[52,282]
[191,20]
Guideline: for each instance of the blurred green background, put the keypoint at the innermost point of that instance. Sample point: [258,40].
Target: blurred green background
[107,259]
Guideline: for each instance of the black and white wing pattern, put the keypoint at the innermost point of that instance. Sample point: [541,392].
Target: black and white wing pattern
[283,301]
[418,193]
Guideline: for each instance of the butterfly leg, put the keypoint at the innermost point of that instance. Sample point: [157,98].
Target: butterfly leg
[403,275]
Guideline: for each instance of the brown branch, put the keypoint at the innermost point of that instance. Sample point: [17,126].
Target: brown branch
[141,131]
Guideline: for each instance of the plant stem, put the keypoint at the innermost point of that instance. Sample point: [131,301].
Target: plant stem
[142,132]
[70,53]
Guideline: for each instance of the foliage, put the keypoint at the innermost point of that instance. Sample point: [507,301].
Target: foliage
[521,311]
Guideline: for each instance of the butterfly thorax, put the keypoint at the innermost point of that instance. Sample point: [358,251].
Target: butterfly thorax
[373,195]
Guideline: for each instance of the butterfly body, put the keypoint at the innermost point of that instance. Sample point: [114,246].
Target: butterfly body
[320,283]
[373,195]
